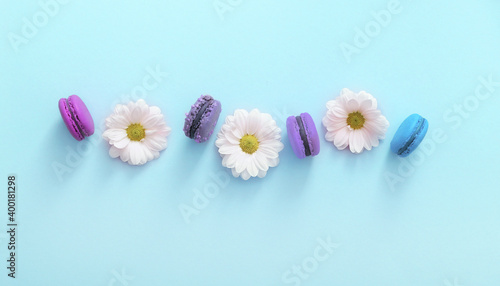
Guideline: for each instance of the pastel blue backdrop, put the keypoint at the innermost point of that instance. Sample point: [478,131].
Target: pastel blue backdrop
[336,219]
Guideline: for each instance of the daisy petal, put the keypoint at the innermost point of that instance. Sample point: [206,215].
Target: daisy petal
[114,134]
[125,154]
[252,167]
[114,152]
[233,159]
[229,149]
[341,139]
[235,174]
[122,143]
[253,122]
[117,121]
[136,153]
[352,105]
[260,161]
[154,110]
[242,163]
[356,142]
[136,115]
[245,175]
[262,173]
[150,121]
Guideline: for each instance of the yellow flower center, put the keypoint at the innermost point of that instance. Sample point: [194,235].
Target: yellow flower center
[249,144]
[356,120]
[136,132]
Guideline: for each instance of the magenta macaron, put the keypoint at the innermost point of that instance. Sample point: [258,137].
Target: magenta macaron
[303,135]
[77,117]
[201,119]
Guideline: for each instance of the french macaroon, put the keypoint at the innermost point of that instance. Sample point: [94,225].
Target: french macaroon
[409,135]
[76,116]
[303,135]
[201,119]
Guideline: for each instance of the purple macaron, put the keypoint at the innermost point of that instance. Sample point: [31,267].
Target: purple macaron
[76,116]
[303,135]
[202,118]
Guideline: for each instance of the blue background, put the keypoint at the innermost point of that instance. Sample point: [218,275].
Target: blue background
[105,220]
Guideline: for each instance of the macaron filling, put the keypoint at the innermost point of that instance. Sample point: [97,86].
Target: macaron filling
[197,120]
[303,135]
[74,117]
[413,137]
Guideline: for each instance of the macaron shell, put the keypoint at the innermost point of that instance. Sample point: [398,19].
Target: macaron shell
[418,139]
[191,115]
[312,133]
[293,131]
[81,114]
[68,120]
[208,122]
[406,132]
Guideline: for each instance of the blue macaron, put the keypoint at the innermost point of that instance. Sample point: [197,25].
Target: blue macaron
[409,135]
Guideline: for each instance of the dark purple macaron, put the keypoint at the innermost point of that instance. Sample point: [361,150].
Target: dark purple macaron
[303,135]
[202,118]
[76,116]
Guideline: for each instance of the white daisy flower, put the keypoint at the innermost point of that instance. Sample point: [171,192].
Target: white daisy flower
[249,143]
[136,132]
[353,120]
